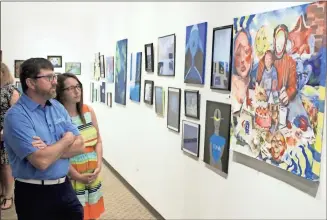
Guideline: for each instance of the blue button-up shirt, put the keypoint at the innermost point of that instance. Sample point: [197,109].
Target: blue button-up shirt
[26,119]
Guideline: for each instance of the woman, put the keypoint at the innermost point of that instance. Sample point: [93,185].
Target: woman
[85,168]
[8,96]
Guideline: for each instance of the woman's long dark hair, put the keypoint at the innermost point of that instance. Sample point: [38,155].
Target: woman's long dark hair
[60,92]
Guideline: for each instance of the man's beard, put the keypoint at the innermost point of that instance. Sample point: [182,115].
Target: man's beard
[46,94]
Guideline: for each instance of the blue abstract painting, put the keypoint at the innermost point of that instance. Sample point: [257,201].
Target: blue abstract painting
[166,55]
[135,76]
[110,69]
[195,53]
[121,71]
[190,142]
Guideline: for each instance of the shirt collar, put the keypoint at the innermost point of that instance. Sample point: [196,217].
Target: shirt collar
[32,105]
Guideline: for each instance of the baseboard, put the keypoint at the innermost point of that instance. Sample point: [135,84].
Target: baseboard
[147,205]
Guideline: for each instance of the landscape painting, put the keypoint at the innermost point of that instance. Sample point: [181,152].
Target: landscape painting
[166,55]
[121,72]
[190,138]
[73,67]
[135,77]
[217,133]
[279,86]
[195,53]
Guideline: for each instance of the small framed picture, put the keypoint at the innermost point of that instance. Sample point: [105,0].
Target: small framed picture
[192,103]
[166,55]
[73,67]
[109,99]
[159,100]
[148,91]
[56,61]
[17,67]
[174,109]
[102,66]
[221,62]
[149,57]
[19,87]
[190,138]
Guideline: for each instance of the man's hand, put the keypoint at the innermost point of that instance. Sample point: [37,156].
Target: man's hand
[69,137]
[38,143]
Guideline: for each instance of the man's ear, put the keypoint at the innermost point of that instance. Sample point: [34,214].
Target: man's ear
[30,83]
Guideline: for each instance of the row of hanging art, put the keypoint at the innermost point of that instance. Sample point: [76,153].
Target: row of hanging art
[273,63]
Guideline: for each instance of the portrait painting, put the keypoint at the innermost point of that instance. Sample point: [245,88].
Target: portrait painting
[56,61]
[159,94]
[195,53]
[17,67]
[221,57]
[279,86]
[166,55]
[192,103]
[73,67]
[121,71]
[190,138]
[217,135]
[135,77]
[174,109]
[110,69]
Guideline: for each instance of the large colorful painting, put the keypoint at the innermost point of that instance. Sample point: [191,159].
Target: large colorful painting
[135,76]
[278,87]
[195,53]
[121,72]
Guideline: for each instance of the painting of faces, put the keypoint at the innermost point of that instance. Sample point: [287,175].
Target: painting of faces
[278,87]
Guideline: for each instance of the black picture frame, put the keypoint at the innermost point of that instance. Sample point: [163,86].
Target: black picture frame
[147,68]
[198,126]
[17,64]
[215,66]
[174,56]
[56,57]
[179,91]
[102,67]
[150,102]
[197,93]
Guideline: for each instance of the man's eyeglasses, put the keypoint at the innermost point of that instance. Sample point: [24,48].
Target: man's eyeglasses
[71,88]
[49,77]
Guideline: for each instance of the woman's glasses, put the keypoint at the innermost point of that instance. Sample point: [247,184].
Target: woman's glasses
[72,88]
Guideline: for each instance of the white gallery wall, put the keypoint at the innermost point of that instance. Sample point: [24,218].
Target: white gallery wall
[136,141]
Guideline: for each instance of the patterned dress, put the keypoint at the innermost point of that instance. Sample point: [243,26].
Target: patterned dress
[90,195]
[6,93]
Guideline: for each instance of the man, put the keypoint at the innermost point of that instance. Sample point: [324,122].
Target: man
[40,137]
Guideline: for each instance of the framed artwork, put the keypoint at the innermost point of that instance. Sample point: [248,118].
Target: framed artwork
[174,109]
[97,71]
[103,92]
[19,87]
[191,138]
[195,53]
[73,67]
[102,67]
[56,61]
[135,77]
[192,103]
[110,69]
[281,120]
[166,55]
[149,57]
[17,67]
[109,99]
[217,133]
[159,100]
[221,58]
[148,92]
[92,92]
[121,72]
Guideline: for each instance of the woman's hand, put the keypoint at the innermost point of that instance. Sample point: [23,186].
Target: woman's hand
[85,178]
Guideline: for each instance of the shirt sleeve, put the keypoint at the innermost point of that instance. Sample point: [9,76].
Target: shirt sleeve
[18,134]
